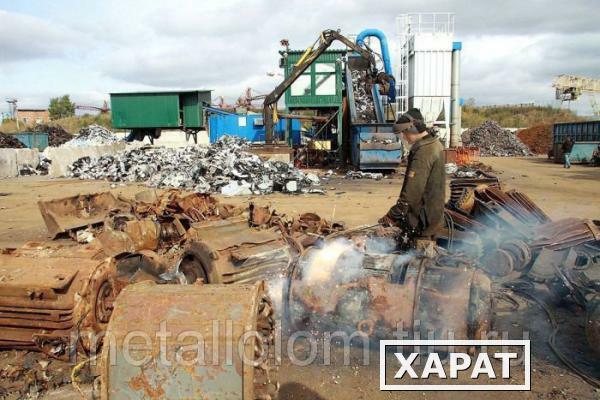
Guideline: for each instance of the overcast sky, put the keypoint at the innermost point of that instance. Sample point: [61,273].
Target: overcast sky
[511,48]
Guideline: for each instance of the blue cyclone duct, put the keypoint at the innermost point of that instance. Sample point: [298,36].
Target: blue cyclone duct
[385,54]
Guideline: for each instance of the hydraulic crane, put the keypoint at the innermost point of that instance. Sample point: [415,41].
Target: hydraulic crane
[311,54]
[570,87]
[102,109]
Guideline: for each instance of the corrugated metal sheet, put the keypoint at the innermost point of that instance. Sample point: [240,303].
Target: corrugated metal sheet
[158,109]
[586,131]
[192,110]
[145,110]
[33,140]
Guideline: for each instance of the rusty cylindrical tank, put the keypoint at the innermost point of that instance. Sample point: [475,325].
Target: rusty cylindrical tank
[380,293]
[217,342]
[230,251]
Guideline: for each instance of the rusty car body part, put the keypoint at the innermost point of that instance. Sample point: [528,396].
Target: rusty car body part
[44,299]
[230,251]
[233,360]
[339,286]
[193,207]
[70,213]
[133,236]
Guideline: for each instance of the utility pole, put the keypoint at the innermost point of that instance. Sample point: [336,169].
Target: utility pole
[14,110]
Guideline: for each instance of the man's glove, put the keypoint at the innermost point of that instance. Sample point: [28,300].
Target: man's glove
[386,221]
[396,216]
[399,212]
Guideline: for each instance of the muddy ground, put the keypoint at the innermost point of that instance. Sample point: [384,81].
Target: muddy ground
[561,193]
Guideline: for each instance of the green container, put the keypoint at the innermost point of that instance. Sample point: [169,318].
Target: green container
[320,85]
[162,110]
[33,140]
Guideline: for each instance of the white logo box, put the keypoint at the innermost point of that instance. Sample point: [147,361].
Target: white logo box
[459,387]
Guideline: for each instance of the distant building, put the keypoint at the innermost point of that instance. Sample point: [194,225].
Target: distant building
[32,116]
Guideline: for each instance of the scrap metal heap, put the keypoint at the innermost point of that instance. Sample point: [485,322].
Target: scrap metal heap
[57,135]
[506,229]
[92,135]
[360,282]
[493,140]
[224,167]
[363,97]
[513,238]
[59,295]
[54,289]
[49,292]
[10,142]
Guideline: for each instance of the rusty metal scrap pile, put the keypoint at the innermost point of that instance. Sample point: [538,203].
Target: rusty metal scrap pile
[506,228]
[153,235]
[223,167]
[10,142]
[359,282]
[332,278]
[493,140]
[513,238]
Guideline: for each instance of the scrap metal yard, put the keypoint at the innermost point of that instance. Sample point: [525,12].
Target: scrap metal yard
[359,202]
[385,214]
[356,202]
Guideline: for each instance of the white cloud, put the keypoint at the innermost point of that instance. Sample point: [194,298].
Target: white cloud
[511,48]
[23,37]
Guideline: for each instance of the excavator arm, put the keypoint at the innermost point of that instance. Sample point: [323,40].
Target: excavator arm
[324,41]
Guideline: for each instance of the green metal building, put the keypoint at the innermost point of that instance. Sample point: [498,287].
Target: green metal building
[319,89]
[147,113]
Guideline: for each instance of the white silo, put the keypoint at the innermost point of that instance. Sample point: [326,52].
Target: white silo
[425,67]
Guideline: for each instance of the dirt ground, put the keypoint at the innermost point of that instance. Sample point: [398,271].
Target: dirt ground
[560,192]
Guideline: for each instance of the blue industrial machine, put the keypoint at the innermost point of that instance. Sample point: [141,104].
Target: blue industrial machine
[385,55]
[248,126]
[313,83]
[373,145]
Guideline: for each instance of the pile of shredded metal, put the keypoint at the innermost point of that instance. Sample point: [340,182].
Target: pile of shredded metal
[493,140]
[10,142]
[364,175]
[223,167]
[28,375]
[363,98]
[92,135]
